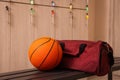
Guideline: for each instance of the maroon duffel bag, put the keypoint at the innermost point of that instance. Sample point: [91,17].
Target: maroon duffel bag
[88,56]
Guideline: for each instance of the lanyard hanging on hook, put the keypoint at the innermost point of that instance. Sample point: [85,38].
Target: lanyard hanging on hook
[9,15]
[71,12]
[32,12]
[71,16]
[87,16]
[52,29]
[53,12]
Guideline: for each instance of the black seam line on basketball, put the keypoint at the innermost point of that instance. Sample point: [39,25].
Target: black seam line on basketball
[38,47]
[47,54]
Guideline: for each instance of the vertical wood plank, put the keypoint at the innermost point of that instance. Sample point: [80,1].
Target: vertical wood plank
[80,29]
[42,21]
[91,22]
[79,4]
[116,28]
[4,37]
[63,25]
[101,19]
[21,36]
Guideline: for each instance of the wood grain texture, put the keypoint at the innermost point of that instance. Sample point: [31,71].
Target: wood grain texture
[25,27]
[115,27]
[80,29]
[102,19]
[21,36]
[4,38]
[63,26]
[42,21]
[91,22]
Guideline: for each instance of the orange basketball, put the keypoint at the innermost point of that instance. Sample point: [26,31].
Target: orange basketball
[45,53]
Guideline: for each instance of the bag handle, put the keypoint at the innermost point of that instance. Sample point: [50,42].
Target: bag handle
[81,48]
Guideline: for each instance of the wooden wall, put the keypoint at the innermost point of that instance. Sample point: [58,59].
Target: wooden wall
[18,28]
[102,19]
[114,27]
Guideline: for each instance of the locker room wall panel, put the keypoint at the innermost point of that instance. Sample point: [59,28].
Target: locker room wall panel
[26,27]
[63,30]
[79,4]
[91,23]
[42,21]
[62,24]
[115,28]
[80,28]
[67,30]
[45,27]
[21,36]
[4,38]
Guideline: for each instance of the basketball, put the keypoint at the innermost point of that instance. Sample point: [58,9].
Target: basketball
[45,53]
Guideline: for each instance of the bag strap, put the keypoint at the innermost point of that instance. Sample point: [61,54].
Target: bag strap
[110,53]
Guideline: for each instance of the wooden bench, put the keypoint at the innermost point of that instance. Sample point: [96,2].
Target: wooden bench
[34,74]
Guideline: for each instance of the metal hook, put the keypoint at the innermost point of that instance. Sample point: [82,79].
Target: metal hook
[86,8]
[32,11]
[71,7]
[7,8]
[31,2]
[53,3]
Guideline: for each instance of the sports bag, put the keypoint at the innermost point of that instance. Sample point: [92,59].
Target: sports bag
[88,56]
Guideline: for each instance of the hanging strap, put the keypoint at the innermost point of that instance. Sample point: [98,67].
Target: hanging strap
[71,16]
[32,13]
[87,1]
[52,29]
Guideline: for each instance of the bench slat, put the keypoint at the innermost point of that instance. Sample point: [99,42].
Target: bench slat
[65,76]
[20,75]
[116,67]
[44,74]
[34,74]
[17,72]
